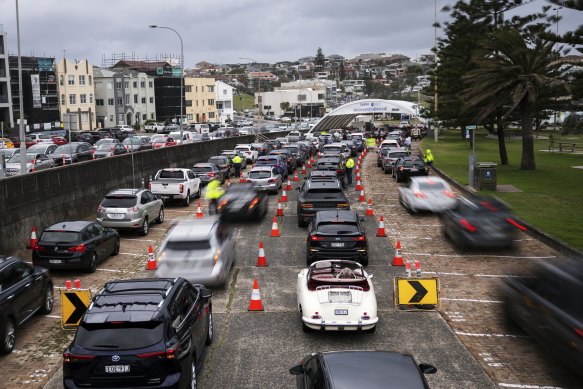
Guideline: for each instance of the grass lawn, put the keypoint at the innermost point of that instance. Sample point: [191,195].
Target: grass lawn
[243,101]
[552,195]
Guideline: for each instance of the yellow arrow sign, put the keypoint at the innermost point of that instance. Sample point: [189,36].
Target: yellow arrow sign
[74,303]
[417,291]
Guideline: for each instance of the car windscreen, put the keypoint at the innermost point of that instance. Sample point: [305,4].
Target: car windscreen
[431,185]
[327,166]
[16,158]
[337,228]
[188,245]
[119,201]
[257,174]
[332,149]
[105,147]
[171,174]
[202,169]
[131,141]
[324,193]
[119,336]
[60,236]
[293,149]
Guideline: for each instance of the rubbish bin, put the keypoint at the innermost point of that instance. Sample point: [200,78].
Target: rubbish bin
[485,176]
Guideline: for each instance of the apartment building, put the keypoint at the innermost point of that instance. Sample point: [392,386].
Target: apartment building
[224,101]
[200,100]
[5,95]
[76,94]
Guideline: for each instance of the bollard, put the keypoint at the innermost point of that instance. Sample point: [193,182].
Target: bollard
[77,284]
[408,269]
[418,268]
[68,284]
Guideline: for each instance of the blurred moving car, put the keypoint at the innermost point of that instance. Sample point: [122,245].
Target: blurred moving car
[133,209]
[109,149]
[431,194]
[243,201]
[24,291]
[141,331]
[549,308]
[72,153]
[202,251]
[265,178]
[36,161]
[207,172]
[336,295]
[352,369]
[75,245]
[480,222]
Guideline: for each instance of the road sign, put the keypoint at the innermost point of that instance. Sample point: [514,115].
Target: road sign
[74,303]
[417,291]
[471,127]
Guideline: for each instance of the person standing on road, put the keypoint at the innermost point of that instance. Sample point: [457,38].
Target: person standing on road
[237,160]
[348,170]
[213,194]
[428,157]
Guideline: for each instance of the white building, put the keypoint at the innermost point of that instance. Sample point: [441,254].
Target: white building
[76,90]
[123,96]
[224,101]
[308,100]
[353,86]
[5,93]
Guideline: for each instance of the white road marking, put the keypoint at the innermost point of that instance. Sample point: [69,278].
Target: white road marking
[54,316]
[111,270]
[490,335]
[138,240]
[504,385]
[473,300]
[479,256]
[134,254]
[476,275]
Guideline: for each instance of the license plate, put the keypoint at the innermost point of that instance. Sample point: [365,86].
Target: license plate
[164,197]
[414,169]
[337,244]
[55,261]
[116,215]
[117,369]
[341,311]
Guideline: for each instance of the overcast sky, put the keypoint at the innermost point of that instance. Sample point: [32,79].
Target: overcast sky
[223,31]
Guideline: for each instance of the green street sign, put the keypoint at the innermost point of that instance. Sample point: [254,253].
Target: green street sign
[472,127]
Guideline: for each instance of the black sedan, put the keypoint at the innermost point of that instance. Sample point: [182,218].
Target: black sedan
[242,202]
[75,245]
[337,234]
[480,222]
[72,153]
[406,167]
[361,369]
[24,290]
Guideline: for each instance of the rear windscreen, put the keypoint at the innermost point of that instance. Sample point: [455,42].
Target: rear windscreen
[434,185]
[202,169]
[217,161]
[266,161]
[323,193]
[337,228]
[189,245]
[327,166]
[119,201]
[61,236]
[397,155]
[122,336]
[332,149]
[171,174]
[259,174]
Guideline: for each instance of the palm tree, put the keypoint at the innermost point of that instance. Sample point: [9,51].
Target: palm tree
[511,70]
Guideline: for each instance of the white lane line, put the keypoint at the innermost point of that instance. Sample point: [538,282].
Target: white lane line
[479,255]
[479,335]
[476,275]
[473,300]
[159,229]
[138,240]
[134,254]
[54,316]
[505,385]
[111,270]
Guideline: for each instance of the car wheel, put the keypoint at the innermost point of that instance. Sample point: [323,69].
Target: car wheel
[193,374]
[8,337]
[186,201]
[116,248]
[160,218]
[386,171]
[48,300]
[210,329]
[199,193]
[92,264]
[145,228]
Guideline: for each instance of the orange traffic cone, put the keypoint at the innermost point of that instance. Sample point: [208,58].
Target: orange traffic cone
[151,264]
[284,196]
[358,185]
[199,214]
[255,304]
[33,241]
[357,171]
[279,208]
[32,167]
[261,260]
[309,163]
[288,187]
[274,228]
[369,211]
[398,259]
[361,197]
[241,178]
[296,178]
[304,169]
[381,229]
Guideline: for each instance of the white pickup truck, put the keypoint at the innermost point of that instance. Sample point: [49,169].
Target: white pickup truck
[154,127]
[249,152]
[176,184]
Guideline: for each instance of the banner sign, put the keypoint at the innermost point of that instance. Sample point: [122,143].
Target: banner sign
[35,82]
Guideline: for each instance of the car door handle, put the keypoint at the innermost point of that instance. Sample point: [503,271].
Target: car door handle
[27,285]
[10,297]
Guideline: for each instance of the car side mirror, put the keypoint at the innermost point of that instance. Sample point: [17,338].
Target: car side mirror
[427,368]
[297,370]
[206,293]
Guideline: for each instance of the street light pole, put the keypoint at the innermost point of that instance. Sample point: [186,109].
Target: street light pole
[555,110]
[181,75]
[20,98]
[435,129]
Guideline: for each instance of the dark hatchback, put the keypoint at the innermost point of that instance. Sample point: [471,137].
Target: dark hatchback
[549,308]
[242,202]
[330,163]
[406,167]
[276,161]
[72,153]
[337,234]
[75,245]
[317,196]
[480,222]
[361,369]
[288,157]
[143,333]
[24,291]
[224,163]
[207,172]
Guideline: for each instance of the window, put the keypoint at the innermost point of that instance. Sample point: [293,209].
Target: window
[118,85]
[211,115]
[61,79]
[150,84]
[91,98]
[90,80]
[210,88]
[188,88]
[188,103]
[71,80]
[224,91]
[135,99]
[320,96]
[72,99]
[99,102]
[151,100]
[152,116]
[63,101]
[135,84]
[197,103]
[203,102]
[196,89]
[211,102]
[227,105]
[126,84]
[143,100]
[83,98]
[119,101]
[144,117]
[142,84]
[111,117]
[81,80]
[110,102]
[127,99]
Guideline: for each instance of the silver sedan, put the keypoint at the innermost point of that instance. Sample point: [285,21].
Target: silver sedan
[33,161]
[431,194]
[265,178]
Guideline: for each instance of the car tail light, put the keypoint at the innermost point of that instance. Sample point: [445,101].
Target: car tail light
[307,205]
[68,357]
[80,248]
[579,331]
[360,238]
[316,315]
[515,224]
[37,248]
[467,225]
[420,195]
[133,209]
[100,209]
[343,205]
[316,238]
[254,203]
[365,316]
[211,174]
[271,180]
[168,354]
[181,188]
[449,194]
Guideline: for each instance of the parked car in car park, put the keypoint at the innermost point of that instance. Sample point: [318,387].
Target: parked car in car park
[59,140]
[158,143]
[42,148]
[109,149]
[153,127]
[137,144]
[105,141]
[33,161]
[72,153]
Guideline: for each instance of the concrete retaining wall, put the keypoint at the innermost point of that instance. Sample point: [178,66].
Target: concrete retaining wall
[73,192]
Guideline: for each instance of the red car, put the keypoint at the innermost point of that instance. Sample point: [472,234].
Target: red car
[163,142]
[27,141]
[59,140]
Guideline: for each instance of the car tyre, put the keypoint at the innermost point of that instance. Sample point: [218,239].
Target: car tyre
[186,201]
[210,329]
[144,228]
[48,300]
[160,218]
[116,248]
[8,337]
[92,264]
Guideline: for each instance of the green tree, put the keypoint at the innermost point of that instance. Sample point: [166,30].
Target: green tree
[320,60]
[284,105]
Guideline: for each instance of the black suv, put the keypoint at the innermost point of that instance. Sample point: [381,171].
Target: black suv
[317,196]
[141,333]
[406,167]
[24,290]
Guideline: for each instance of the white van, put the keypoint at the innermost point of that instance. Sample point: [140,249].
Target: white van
[187,136]
[201,128]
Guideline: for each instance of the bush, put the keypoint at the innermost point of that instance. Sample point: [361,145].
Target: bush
[573,124]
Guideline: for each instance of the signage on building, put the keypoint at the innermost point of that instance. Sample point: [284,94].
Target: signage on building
[370,107]
[35,82]
[51,79]
[169,72]
[44,64]
[176,72]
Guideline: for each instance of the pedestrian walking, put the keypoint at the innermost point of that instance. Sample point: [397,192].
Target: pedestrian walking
[348,170]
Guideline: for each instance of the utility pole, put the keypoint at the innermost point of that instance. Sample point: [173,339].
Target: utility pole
[435,129]
[20,98]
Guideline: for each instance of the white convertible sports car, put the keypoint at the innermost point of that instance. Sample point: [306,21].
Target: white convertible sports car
[431,194]
[336,295]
